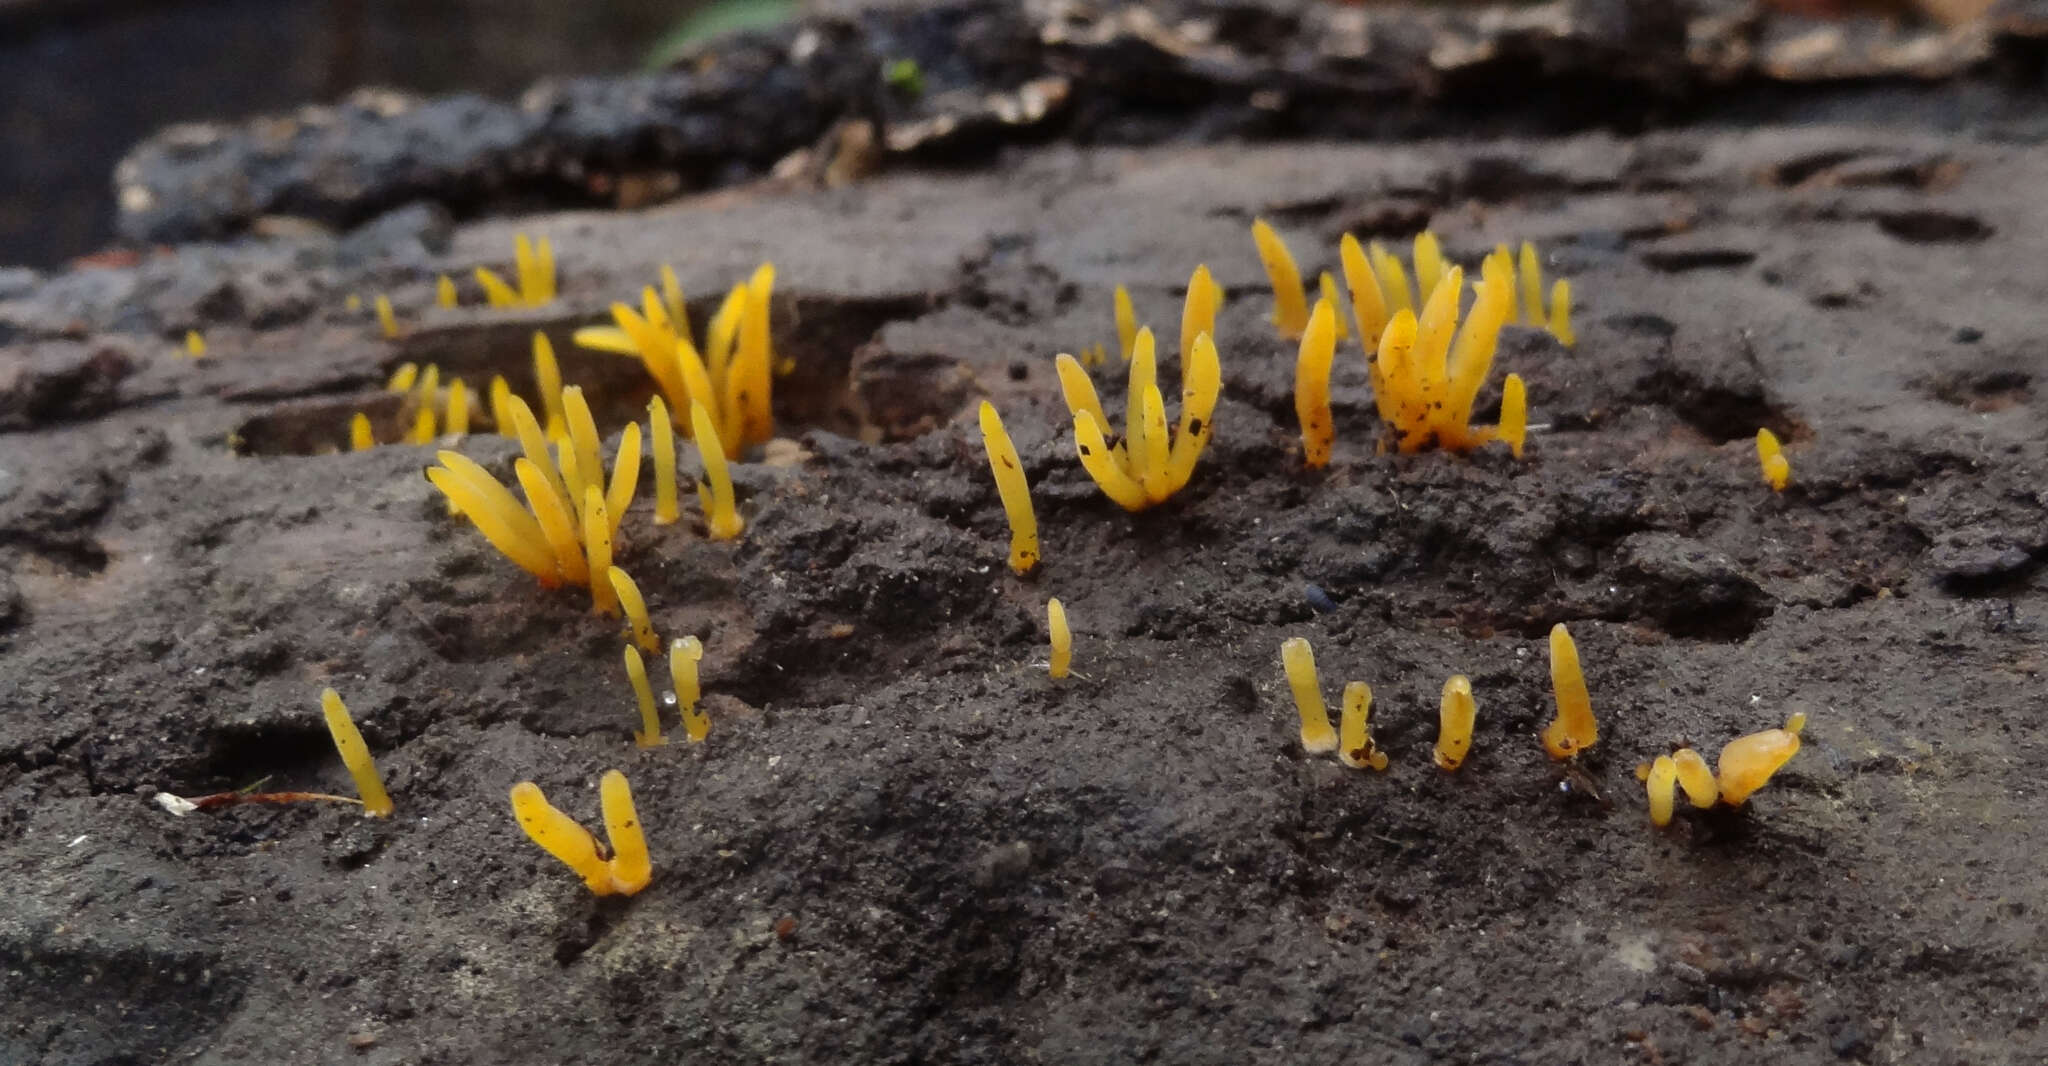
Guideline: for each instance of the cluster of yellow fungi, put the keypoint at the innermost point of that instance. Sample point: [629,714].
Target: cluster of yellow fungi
[1353,741]
[1746,764]
[623,869]
[533,272]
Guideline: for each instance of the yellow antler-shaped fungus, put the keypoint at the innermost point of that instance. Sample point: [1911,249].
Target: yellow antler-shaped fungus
[683,657]
[533,267]
[626,873]
[355,755]
[1062,638]
[1748,762]
[1148,467]
[1011,486]
[1777,468]
[649,733]
[1428,371]
[1574,729]
[1312,385]
[1455,719]
[1290,304]
[1299,660]
[1355,746]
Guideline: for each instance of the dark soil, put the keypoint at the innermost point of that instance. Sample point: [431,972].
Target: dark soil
[903,842]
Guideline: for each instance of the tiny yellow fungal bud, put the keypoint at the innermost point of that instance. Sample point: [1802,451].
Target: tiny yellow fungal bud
[714,494]
[1796,724]
[1290,304]
[630,868]
[422,427]
[636,609]
[501,409]
[387,320]
[1312,385]
[557,521]
[1328,286]
[1529,271]
[625,475]
[1574,729]
[664,438]
[404,378]
[683,657]
[1368,304]
[458,408]
[1011,486]
[597,550]
[1695,777]
[1514,414]
[649,733]
[359,436]
[195,345]
[547,377]
[1777,468]
[444,291]
[355,755]
[1126,323]
[1748,762]
[1299,660]
[1062,638]
[1198,311]
[1455,719]
[527,265]
[1561,313]
[1356,747]
[1662,786]
[560,836]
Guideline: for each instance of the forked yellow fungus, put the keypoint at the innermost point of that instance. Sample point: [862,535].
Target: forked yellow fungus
[683,658]
[355,755]
[195,345]
[663,441]
[1427,372]
[1062,638]
[1290,304]
[444,292]
[1573,730]
[628,870]
[1011,486]
[360,438]
[1299,660]
[387,319]
[714,492]
[597,550]
[1355,746]
[534,270]
[1777,468]
[1312,385]
[649,733]
[1662,787]
[1455,719]
[1748,762]
[1147,467]
[1695,777]
[636,610]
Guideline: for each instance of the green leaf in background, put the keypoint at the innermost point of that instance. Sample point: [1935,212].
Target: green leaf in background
[722,16]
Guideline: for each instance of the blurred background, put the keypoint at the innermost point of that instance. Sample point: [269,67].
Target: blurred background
[83,80]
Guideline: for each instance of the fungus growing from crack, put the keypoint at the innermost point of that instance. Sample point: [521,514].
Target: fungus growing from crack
[649,733]
[1355,747]
[1574,729]
[387,319]
[636,609]
[1455,719]
[714,492]
[683,658]
[1147,467]
[1011,486]
[1748,762]
[1290,305]
[1062,639]
[533,269]
[1299,661]
[1312,385]
[360,437]
[1770,453]
[626,872]
[355,755]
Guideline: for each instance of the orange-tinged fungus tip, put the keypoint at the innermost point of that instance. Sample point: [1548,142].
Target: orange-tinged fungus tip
[1299,661]
[1747,763]
[1574,729]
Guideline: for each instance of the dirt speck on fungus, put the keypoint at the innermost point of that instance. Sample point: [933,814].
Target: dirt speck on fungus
[904,842]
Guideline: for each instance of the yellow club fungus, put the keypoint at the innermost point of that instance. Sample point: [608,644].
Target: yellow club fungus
[1514,414]
[444,292]
[630,866]
[625,475]
[628,870]
[649,733]
[510,528]
[387,320]
[1528,269]
[1560,321]
[360,438]
[663,438]
[404,378]
[1695,777]
[1573,730]
[1748,762]
[583,440]
[547,377]
[1312,385]
[1777,468]
[1126,323]
[673,302]
[1290,305]
[1355,746]
[1197,314]
[1427,371]
[714,493]
[195,345]
[1455,719]
[1146,468]
[355,755]
[534,269]
[1299,660]
[683,658]
[422,431]
[1662,787]
[1011,486]
[597,550]
[501,407]
[636,610]
[458,408]
[1327,286]
[1062,638]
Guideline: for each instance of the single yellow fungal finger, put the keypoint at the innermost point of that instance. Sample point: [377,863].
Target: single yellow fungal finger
[545,268]
[1471,357]
[1514,414]
[625,475]
[1144,375]
[1198,312]
[1434,330]
[583,442]
[1393,279]
[1355,745]
[636,609]
[1062,638]
[1101,464]
[458,408]
[1299,660]
[359,436]
[683,657]
[649,733]
[195,345]
[1748,762]
[1771,454]
[724,329]
[1574,729]
[422,431]
[597,550]
[501,408]
[1695,777]
[664,442]
[1390,368]
[1201,380]
[444,292]
[606,339]
[1429,264]
[1561,313]
[630,867]
[1153,450]
[1079,390]
[758,357]
[1368,305]
[1312,385]
[1329,295]
[524,268]
[1455,720]
[714,493]
[547,377]
[1126,323]
[533,443]
[1529,271]
[560,836]
[1662,787]
[1008,469]
[557,521]
[387,319]
[1290,304]
[404,378]
[678,307]
[355,755]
